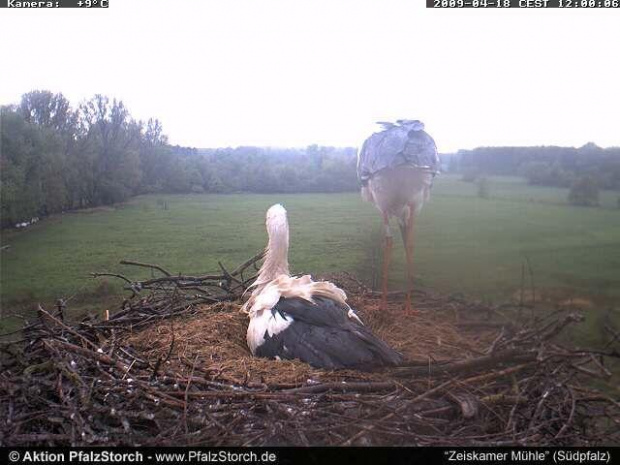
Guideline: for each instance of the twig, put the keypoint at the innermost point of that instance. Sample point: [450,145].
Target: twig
[145,265]
[115,275]
[64,326]
[247,263]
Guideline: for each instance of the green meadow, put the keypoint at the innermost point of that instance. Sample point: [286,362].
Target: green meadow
[463,244]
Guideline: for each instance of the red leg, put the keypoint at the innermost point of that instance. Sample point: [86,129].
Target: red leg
[387,256]
[409,253]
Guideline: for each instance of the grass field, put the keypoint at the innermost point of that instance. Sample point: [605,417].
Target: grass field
[464,244]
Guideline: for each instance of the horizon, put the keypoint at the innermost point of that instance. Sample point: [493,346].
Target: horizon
[341,147]
[440,152]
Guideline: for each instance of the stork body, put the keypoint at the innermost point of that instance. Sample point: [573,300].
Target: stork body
[396,167]
[298,318]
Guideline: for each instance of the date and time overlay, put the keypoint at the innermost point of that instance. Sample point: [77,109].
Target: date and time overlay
[429,4]
[56,4]
[522,3]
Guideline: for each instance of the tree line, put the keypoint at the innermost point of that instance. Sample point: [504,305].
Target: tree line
[54,157]
[548,166]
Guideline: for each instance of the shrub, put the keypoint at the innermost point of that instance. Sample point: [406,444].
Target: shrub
[483,188]
[470,175]
[584,192]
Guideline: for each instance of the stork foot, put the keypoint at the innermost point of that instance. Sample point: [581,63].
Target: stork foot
[382,314]
[409,310]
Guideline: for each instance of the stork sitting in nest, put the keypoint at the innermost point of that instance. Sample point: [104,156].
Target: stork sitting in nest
[298,318]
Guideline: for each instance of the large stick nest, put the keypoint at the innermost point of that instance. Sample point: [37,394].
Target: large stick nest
[172,367]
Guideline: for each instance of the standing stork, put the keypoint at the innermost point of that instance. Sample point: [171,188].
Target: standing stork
[298,318]
[396,167]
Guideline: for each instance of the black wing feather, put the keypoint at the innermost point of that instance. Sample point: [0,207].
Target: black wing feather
[323,335]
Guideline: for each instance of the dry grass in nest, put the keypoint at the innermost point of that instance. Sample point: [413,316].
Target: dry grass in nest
[213,342]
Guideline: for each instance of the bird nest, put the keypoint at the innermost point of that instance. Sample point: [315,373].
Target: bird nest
[173,368]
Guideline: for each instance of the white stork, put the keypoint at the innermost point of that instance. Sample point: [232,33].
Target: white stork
[298,318]
[396,167]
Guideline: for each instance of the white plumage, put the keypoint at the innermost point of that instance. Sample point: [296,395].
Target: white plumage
[299,318]
[396,167]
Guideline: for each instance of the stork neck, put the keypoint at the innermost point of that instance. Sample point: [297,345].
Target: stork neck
[276,256]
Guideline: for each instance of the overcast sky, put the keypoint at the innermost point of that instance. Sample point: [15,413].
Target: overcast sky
[297,72]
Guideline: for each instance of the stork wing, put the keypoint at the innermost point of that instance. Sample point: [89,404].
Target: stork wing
[397,145]
[324,335]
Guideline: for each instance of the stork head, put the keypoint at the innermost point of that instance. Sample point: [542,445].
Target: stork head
[276,217]
[277,229]
[276,254]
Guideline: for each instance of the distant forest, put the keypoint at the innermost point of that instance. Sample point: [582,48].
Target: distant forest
[55,157]
[543,166]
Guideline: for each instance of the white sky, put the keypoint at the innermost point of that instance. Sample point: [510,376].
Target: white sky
[297,72]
